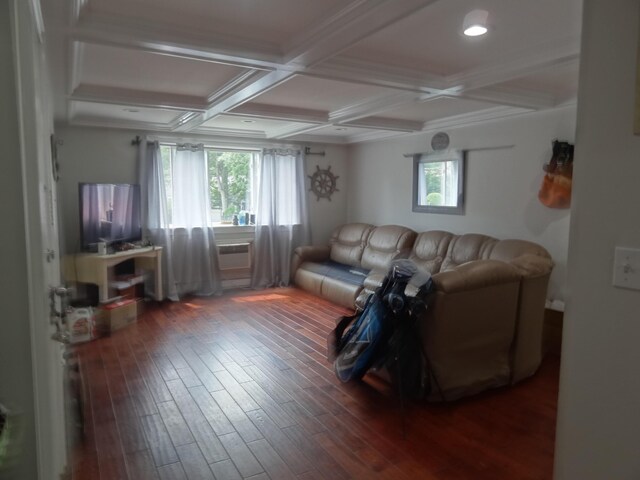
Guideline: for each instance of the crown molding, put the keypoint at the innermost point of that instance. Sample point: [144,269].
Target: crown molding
[140,98]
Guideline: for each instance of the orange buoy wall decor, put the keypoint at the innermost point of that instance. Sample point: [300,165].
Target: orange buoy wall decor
[555,191]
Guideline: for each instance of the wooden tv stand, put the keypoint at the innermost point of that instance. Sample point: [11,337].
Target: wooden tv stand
[94,268]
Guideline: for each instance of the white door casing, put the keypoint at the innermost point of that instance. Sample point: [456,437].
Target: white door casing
[34,98]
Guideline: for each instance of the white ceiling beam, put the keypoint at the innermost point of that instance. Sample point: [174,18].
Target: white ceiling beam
[511,97]
[140,98]
[275,112]
[372,106]
[389,124]
[334,34]
[353,70]
[263,84]
[480,116]
[373,136]
[219,49]
[230,132]
[240,81]
[297,130]
[337,32]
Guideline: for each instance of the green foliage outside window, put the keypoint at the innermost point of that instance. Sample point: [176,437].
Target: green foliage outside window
[228,181]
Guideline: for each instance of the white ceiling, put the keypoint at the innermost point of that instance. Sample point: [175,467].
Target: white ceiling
[340,71]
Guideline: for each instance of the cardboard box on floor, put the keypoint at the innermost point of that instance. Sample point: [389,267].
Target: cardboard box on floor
[116,315]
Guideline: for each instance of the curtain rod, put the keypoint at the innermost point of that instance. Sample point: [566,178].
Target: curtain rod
[307,151]
[499,147]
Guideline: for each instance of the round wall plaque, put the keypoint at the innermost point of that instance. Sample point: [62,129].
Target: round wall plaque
[440,141]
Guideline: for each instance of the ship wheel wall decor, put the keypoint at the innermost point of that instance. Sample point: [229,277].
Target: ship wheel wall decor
[323,183]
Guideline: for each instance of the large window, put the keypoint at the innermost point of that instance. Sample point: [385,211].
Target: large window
[230,180]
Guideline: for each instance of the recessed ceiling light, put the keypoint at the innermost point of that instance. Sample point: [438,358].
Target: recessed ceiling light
[131,110]
[475,23]
[340,129]
[248,121]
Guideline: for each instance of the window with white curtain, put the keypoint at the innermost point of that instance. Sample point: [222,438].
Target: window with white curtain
[231,180]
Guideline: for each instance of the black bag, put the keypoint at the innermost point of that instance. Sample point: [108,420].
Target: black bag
[385,333]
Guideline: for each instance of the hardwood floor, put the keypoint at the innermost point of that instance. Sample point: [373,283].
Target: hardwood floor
[238,387]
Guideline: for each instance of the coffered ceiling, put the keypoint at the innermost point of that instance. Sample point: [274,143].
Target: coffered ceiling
[341,71]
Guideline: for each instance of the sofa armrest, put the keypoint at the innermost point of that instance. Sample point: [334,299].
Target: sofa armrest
[532,266]
[474,275]
[469,327]
[310,253]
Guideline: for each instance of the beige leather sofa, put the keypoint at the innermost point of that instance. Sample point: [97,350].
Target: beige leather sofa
[483,328]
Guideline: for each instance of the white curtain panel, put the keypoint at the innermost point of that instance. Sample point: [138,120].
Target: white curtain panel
[155,210]
[191,259]
[282,222]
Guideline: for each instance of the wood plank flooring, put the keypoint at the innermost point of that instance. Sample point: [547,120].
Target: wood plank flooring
[238,387]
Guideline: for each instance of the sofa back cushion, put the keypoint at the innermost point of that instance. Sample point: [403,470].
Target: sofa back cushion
[386,243]
[466,248]
[348,241]
[430,249]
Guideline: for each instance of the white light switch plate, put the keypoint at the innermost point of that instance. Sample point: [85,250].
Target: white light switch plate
[626,268]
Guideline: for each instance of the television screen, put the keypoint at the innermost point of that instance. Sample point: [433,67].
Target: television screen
[109,213]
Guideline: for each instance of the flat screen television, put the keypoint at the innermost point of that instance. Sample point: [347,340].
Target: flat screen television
[109,213]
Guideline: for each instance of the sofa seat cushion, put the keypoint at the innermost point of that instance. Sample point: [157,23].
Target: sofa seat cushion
[334,281]
[338,271]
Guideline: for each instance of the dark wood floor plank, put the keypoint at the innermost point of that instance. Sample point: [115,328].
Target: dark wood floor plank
[173,471]
[193,463]
[321,460]
[239,394]
[282,444]
[241,385]
[236,416]
[225,470]
[129,427]
[211,411]
[201,430]
[159,441]
[140,465]
[268,405]
[240,454]
[270,461]
[274,390]
[177,428]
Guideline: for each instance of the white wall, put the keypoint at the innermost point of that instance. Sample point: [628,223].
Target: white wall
[502,184]
[107,156]
[598,434]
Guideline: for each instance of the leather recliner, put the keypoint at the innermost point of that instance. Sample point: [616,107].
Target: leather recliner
[484,324]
